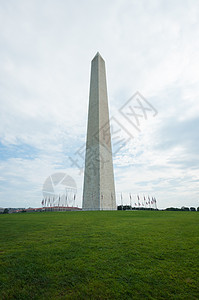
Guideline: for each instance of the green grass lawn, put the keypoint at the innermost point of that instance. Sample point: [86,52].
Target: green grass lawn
[100,255]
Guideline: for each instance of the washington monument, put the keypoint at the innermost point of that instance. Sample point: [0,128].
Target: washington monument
[99,186]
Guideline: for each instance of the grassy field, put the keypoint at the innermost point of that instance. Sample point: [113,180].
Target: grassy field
[100,255]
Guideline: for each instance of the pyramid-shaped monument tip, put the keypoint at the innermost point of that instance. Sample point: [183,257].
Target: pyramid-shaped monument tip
[97,55]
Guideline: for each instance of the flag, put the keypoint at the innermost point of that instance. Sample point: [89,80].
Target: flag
[130,200]
[155,202]
[66,202]
[74,196]
[138,200]
[121,201]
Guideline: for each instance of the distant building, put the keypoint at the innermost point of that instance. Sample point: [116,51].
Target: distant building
[61,208]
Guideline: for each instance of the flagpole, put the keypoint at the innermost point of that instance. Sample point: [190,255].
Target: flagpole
[155,203]
[152,202]
[135,203]
[74,199]
[142,202]
[149,202]
[66,199]
[130,201]
[138,201]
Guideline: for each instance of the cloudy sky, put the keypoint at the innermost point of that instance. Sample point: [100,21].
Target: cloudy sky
[150,46]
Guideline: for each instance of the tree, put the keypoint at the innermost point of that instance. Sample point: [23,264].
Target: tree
[185,208]
[6,211]
[120,207]
[173,209]
[192,209]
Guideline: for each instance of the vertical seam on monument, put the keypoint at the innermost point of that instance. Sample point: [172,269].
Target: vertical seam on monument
[99,166]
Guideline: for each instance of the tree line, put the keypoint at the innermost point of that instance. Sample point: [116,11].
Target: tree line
[183,208]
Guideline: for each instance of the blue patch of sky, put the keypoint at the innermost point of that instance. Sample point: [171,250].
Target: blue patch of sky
[74,147]
[23,151]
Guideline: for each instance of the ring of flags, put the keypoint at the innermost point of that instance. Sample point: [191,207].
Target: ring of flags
[59,201]
[139,202]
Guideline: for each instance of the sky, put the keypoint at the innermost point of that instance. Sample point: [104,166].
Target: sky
[149,46]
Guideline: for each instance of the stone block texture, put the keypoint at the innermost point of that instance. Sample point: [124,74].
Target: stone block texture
[99,186]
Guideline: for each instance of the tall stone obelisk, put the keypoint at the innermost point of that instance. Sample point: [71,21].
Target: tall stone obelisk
[99,186]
